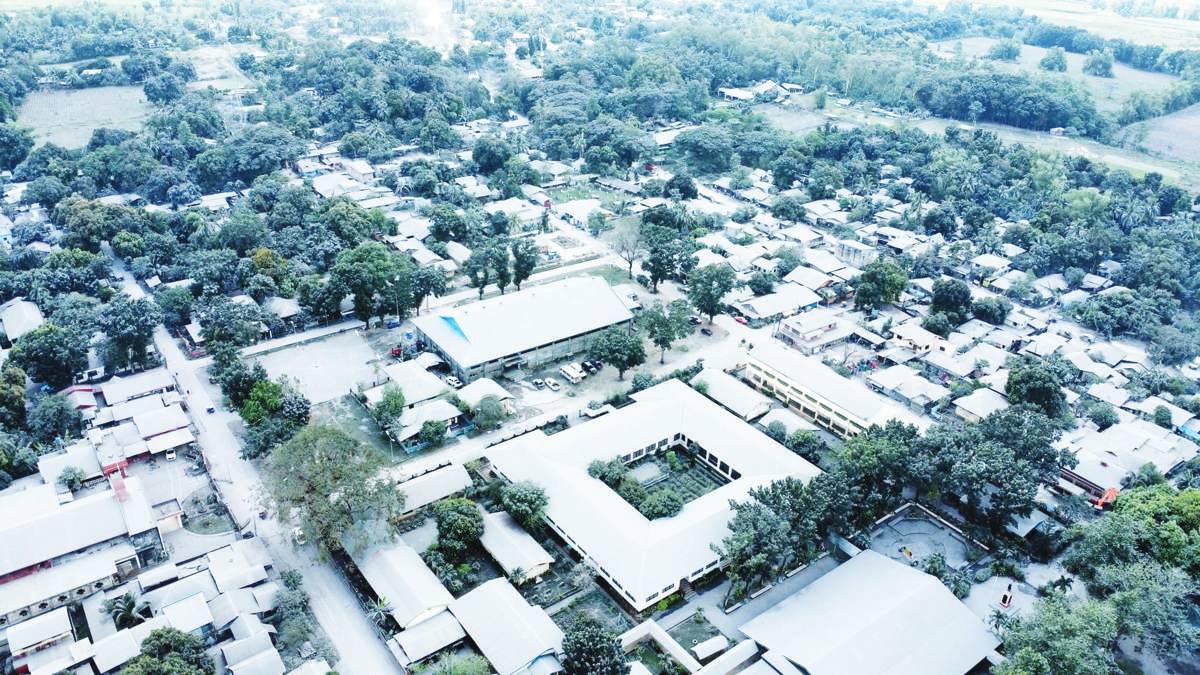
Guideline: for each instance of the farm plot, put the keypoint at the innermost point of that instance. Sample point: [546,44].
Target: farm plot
[68,117]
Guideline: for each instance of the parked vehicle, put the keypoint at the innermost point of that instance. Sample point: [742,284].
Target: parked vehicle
[553,384]
[694,320]
[397,351]
[573,373]
[538,383]
[171,455]
[453,381]
[210,410]
[393,323]
[592,367]
[298,536]
[741,319]
[706,331]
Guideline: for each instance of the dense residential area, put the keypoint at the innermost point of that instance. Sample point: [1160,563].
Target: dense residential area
[500,336]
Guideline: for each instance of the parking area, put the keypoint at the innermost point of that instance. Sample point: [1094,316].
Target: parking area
[325,369]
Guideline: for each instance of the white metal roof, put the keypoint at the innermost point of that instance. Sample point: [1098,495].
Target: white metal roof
[62,578]
[510,545]
[160,420]
[427,638]
[396,572]
[741,399]
[121,389]
[480,389]
[643,555]
[38,629]
[29,515]
[516,322]
[788,298]
[874,615]
[437,484]
[189,613]
[511,633]
[849,395]
[19,316]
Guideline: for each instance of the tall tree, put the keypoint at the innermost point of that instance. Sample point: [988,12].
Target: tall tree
[665,325]
[590,648]
[327,482]
[128,325]
[525,256]
[618,347]
[708,285]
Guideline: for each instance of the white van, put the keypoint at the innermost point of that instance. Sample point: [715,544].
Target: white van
[573,373]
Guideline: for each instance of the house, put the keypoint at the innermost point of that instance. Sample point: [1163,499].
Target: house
[146,383]
[18,317]
[395,571]
[515,637]
[418,643]
[412,379]
[432,486]
[528,327]
[873,614]
[903,384]
[839,405]
[520,556]
[1105,457]
[786,300]
[979,404]
[645,560]
[474,393]
[855,253]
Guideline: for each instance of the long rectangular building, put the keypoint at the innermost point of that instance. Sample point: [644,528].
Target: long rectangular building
[841,406]
[525,328]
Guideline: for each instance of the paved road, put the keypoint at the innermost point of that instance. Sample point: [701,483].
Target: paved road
[333,603]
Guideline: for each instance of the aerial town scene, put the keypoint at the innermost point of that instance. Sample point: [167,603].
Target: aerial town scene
[625,337]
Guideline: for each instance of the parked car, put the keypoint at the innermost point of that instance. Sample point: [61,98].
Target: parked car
[694,320]
[741,319]
[706,331]
[397,351]
[538,383]
[393,323]
[453,381]
[553,384]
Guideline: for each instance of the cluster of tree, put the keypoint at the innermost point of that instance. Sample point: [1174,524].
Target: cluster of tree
[991,468]
[1140,564]
[658,503]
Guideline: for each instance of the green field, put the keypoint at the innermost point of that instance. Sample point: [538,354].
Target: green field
[68,117]
[1110,93]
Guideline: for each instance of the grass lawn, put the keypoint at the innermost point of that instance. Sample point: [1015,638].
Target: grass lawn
[348,416]
[608,199]
[613,275]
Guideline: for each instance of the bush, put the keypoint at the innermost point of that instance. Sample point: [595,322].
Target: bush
[661,504]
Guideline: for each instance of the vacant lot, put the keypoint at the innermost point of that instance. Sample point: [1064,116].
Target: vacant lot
[1109,93]
[1171,33]
[325,369]
[1176,135]
[216,68]
[68,117]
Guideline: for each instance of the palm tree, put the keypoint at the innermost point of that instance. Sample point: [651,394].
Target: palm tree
[125,611]
[379,610]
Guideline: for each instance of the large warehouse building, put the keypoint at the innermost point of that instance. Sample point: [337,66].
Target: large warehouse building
[526,328]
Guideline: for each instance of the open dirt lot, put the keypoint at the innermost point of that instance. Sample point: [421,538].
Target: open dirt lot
[1109,93]
[68,117]
[1171,33]
[215,66]
[325,369]
[1176,135]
